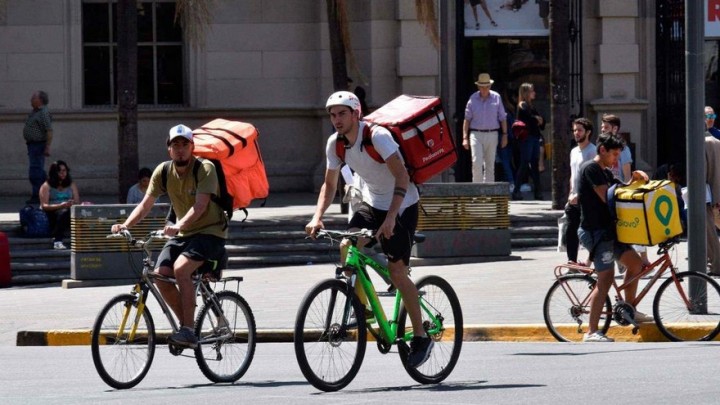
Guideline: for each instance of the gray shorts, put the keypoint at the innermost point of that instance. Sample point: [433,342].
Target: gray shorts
[603,247]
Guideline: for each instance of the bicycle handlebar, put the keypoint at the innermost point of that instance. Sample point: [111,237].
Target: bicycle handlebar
[125,234]
[336,235]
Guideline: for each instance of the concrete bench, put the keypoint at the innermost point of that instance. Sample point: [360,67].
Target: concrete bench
[463,219]
[95,257]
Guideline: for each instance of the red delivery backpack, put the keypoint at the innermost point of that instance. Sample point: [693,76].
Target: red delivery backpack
[418,125]
[235,145]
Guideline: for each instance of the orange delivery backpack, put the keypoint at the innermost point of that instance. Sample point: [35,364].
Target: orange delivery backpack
[234,145]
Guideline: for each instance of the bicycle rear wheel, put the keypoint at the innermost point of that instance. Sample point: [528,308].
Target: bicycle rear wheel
[121,361]
[328,350]
[567,308]
[225,351]
[678,321]
[437,298]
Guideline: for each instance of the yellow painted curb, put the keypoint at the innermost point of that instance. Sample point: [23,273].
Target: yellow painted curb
[471,333]
[68,337]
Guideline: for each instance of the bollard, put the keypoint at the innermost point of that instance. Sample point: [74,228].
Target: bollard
[5,273]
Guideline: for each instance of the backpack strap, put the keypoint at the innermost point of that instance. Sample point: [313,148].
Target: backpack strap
[171,217]
[366,143]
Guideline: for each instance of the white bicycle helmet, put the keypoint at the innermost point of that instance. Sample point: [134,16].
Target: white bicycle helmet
[345,98]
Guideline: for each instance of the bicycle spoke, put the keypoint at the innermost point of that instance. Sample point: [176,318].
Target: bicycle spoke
[688,309]
[227,337]
[567,308]
[122,363]
[329,353]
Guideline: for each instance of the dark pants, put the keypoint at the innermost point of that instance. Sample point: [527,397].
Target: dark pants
[36,171]
[529,160]
[59,223]
[504,155]
[572,212]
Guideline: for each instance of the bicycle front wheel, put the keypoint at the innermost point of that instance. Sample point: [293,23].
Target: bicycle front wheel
[121,350]
[698,318]
[567,308]
[443,321]
[329,344]
[226,337]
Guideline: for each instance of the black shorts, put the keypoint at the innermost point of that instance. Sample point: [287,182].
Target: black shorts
[198,247]
[399,245]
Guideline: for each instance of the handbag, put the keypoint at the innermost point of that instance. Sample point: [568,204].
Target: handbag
[520,130]
[34,222]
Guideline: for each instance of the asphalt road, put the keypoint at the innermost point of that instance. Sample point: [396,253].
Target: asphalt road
[487,373]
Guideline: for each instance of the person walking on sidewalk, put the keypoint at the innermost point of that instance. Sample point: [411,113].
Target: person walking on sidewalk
[530,146]
[597,232]
[712,176]
[583,152]
[390,203]
[622,170]
[484,119]
[199,234]
[38,135]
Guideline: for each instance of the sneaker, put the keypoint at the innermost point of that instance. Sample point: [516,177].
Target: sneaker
[643,318]
[58,245]
[420,348]
[525,188]
[184,337]
[512,188]
[597,337]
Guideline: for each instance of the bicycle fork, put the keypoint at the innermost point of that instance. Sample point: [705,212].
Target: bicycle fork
[141,296]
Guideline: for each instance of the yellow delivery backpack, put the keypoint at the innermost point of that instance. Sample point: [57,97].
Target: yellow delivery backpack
[647,213]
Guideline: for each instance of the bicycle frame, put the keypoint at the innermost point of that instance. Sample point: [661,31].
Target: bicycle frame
[147,283]
[664,261]
[358,261]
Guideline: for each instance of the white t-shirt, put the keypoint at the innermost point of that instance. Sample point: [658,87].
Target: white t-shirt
[577,157]
[378,183]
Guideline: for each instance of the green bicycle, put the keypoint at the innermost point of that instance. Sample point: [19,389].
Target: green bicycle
[331,325]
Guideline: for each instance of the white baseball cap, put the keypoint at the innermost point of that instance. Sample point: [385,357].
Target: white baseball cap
[180,130]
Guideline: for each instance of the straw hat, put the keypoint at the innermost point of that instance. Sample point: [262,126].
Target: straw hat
[484,80]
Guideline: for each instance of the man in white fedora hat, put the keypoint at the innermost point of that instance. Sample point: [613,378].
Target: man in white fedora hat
[484,121]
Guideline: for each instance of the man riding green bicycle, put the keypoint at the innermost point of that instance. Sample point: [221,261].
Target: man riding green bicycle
[390,203]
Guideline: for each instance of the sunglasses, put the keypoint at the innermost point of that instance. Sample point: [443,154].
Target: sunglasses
[710,116]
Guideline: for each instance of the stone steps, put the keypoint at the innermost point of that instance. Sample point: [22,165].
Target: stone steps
[258,243]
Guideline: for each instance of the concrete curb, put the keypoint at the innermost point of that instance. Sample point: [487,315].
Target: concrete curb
[472,333]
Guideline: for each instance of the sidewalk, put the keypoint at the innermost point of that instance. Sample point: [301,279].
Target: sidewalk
[500,300]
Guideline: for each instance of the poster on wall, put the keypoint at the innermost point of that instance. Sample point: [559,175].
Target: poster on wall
[506,17]
[712,19]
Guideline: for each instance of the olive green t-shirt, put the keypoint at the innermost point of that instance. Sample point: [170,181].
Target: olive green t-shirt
[182,191]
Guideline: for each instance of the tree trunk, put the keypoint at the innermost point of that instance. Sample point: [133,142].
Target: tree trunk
[337,46]
[339,67]
[127,96]
[559,106]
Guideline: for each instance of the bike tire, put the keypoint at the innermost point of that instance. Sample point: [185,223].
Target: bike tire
[226,359]
[437,295]
[329,353]
[560,309]
[122,363]
[678,322]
